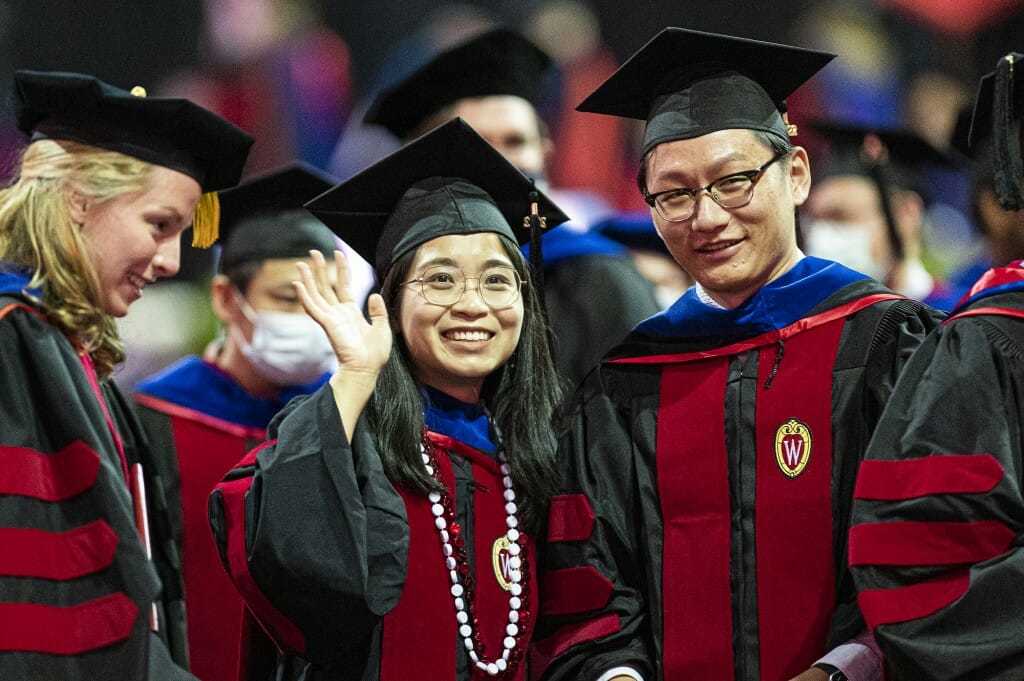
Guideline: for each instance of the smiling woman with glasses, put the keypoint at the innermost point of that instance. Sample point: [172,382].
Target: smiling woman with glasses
[425,466]
[731,191]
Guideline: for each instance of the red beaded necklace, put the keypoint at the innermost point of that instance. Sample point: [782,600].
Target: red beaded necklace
[453,546]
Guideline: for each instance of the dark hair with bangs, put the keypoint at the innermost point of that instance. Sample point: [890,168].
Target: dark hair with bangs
[522,396]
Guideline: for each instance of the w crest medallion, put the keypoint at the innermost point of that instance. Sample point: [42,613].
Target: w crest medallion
[792,447]
[501,559]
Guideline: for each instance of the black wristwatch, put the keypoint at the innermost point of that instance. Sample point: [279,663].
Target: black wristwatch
[834,672]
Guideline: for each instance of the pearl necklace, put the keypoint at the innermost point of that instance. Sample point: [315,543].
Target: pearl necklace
[455,557]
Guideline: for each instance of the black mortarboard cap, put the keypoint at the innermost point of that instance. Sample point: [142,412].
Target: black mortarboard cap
[905,152]
[498,62]
[999,113]
[688,83]
[252,216]
[174,133]
[449,181]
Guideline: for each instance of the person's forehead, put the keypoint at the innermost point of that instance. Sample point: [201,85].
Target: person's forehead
[171,184]
[164,191]
[276,270]
[841,186]
[849,195]
[708,150]
[496,113]
[474,247]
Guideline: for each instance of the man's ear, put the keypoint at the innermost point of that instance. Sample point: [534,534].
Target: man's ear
[222,299]
[800,175]
[78,203]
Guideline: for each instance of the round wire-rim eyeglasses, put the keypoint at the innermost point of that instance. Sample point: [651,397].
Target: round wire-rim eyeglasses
[497,286]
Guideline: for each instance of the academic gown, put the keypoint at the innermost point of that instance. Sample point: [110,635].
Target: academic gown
[939,513]
[76,586]
[346,570]
[200,422]
[709,467]
[594,296]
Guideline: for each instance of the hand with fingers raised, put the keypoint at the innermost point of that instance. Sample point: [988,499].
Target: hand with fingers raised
[362,346]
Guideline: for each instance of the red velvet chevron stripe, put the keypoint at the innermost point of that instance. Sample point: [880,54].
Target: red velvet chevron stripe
[886,606]
[542,652]
[940,474]
[82,551]
[32,627]
[49,477]
[571,518]
[928,543]
[572,590]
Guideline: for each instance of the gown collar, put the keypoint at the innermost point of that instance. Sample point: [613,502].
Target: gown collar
[463,421]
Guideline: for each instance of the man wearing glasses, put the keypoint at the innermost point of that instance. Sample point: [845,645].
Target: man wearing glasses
[710,460]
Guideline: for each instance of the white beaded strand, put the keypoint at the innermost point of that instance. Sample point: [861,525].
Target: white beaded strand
[458,592]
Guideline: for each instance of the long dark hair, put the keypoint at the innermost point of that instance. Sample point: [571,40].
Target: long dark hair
[522,395]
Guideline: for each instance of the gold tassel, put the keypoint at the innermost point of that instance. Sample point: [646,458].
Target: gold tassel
[207,221]
[791,128]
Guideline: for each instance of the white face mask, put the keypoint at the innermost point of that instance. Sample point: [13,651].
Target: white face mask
[286,348]
[844,242]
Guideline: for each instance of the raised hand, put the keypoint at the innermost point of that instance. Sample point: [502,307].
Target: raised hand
[361,346]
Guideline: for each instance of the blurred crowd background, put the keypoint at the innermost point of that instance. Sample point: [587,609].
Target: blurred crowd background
[299,74]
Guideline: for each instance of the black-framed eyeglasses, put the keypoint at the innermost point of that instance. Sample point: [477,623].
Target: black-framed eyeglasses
[734,190]
[444,285]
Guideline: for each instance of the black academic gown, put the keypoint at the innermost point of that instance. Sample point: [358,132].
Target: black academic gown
[594,296]
[939,512]
[199,422]
[76,586]
[710,463]
[345,570]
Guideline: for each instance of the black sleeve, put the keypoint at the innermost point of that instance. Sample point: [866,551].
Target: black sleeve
[324,532]
[593,302]
[592,583]
[938,514]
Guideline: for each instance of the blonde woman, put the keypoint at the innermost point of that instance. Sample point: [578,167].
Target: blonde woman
[106,185]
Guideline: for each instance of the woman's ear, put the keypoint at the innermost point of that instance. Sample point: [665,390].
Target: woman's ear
[78,204]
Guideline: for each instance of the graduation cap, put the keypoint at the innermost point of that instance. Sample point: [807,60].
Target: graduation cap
[449,181]
[169,132]
[498,62]
[998,113]
[688,83]
[262,218]
[903,152]
[888,157]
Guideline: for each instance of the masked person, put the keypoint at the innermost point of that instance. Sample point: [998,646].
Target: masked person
[708,464]
[868,206]
[202,416]
[104,189]
[387,529]
[938,509]
[495,82]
